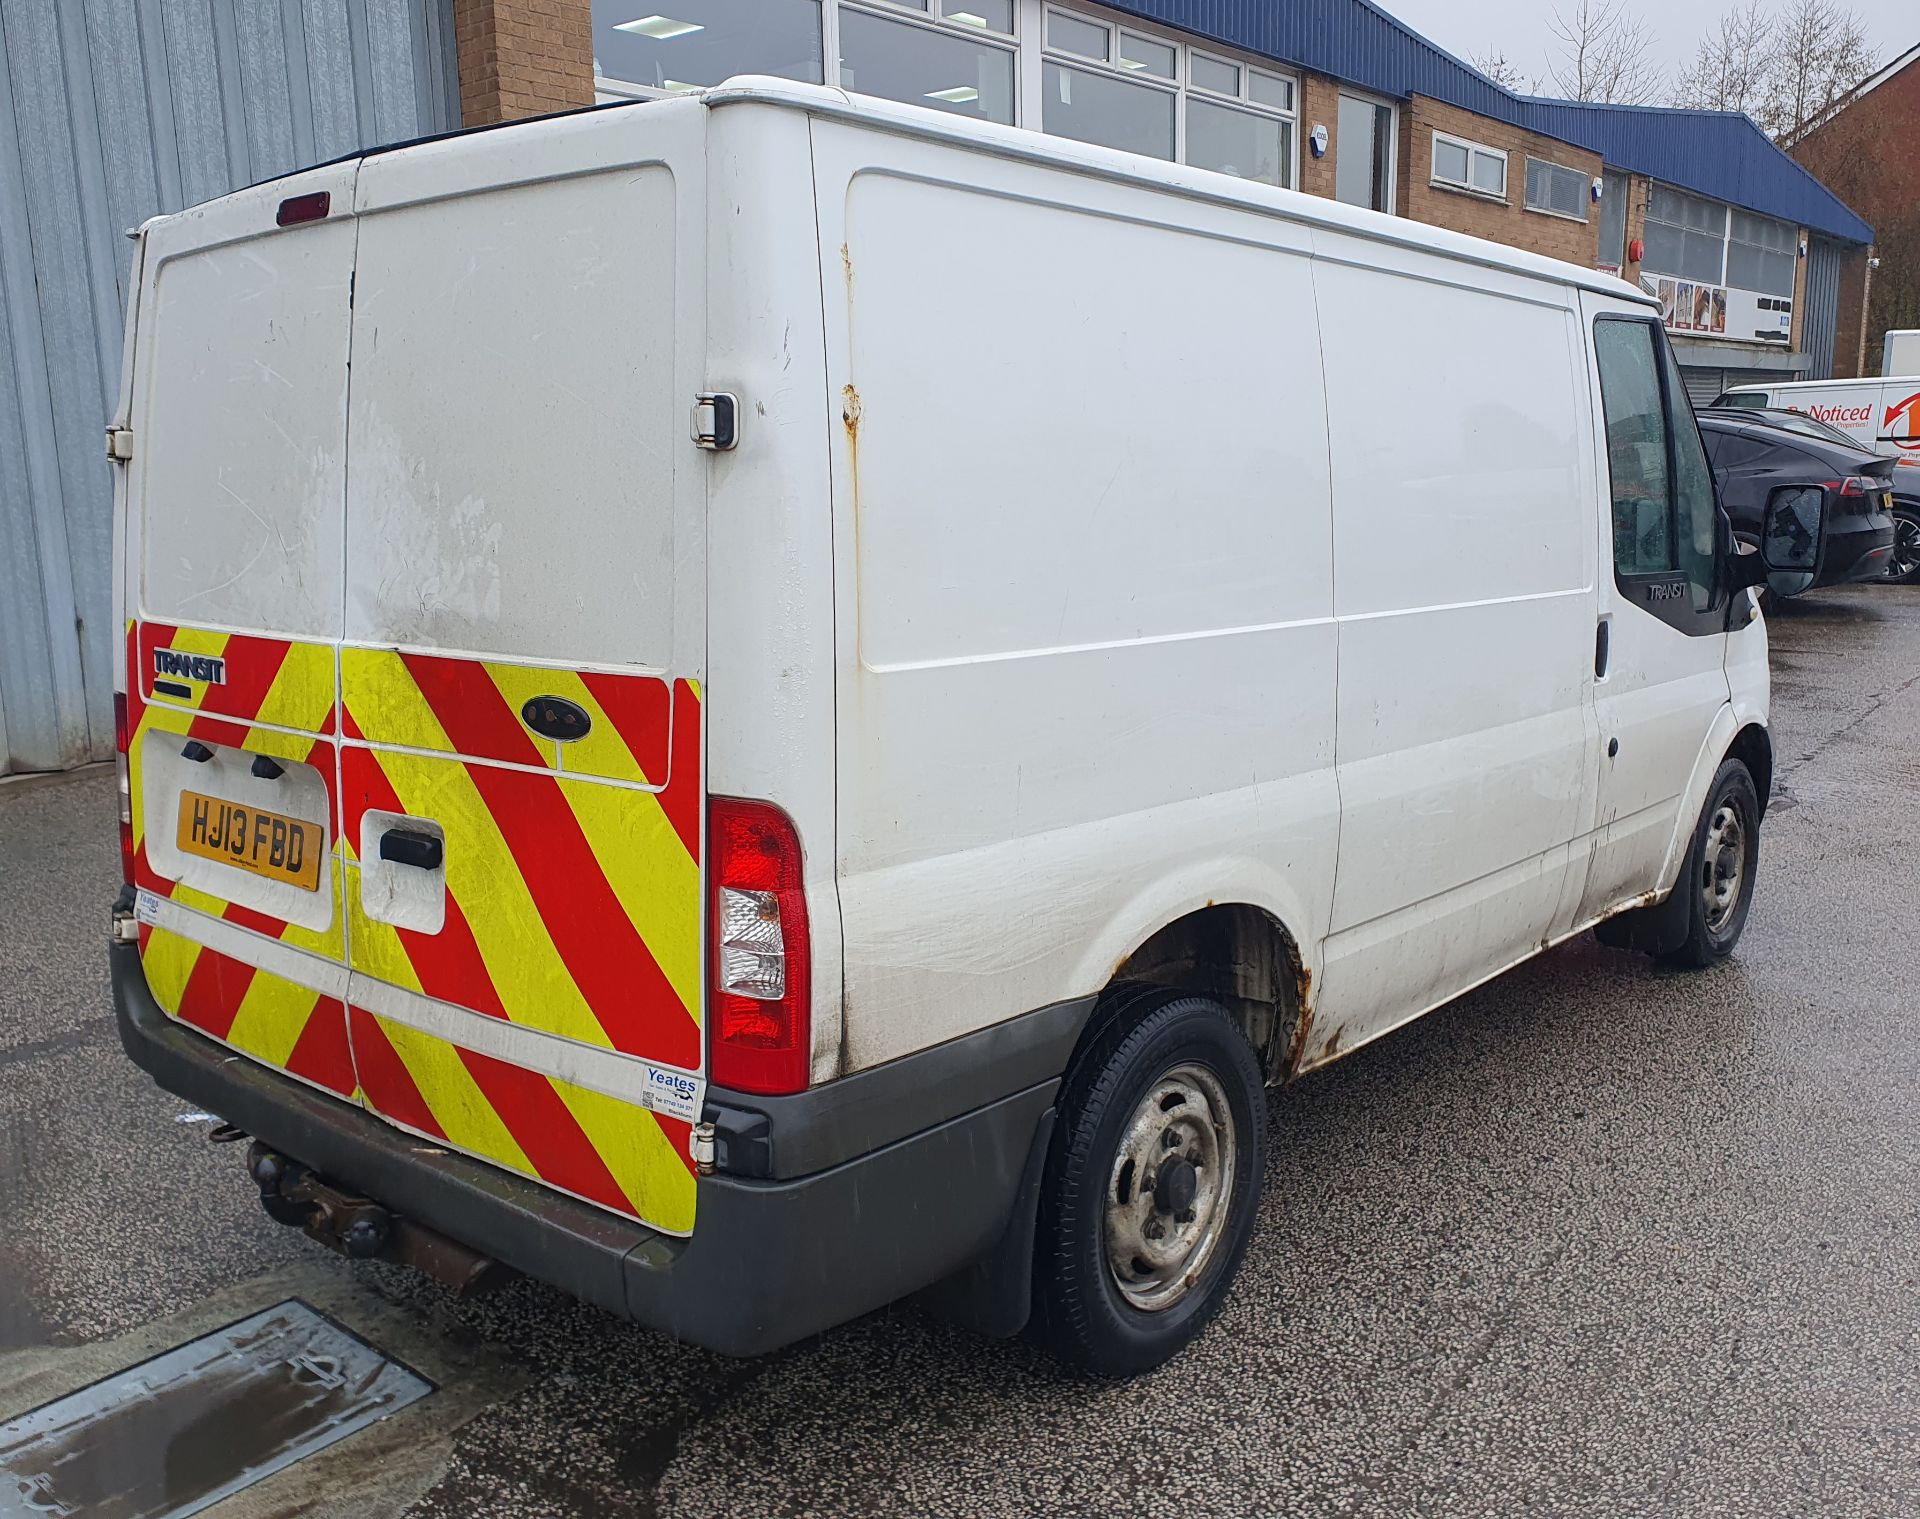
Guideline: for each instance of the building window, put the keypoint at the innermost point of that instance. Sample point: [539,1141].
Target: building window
[1762,254]
[1615,187]
[1685,236]
[1471,166]
[1240,143]
[931,64]
[1106,84]
[1363,153]
[640,48]
[1098,108]
[1556,189]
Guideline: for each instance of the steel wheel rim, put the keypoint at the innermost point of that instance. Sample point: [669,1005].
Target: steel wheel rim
[1906,548]
[1723,865]
[1158,1248]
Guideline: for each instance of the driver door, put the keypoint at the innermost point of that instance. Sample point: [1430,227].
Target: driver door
[1660,649]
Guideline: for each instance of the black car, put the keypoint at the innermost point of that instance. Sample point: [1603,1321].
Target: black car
[1903,565]
[1840,494]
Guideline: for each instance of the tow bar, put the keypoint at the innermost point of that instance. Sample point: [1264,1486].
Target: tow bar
[361,1229]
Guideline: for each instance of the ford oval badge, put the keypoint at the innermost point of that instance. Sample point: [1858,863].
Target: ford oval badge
[556,718]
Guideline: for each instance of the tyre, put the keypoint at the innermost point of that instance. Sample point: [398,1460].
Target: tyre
[1151,1185]
[1903,568]
[1719,873]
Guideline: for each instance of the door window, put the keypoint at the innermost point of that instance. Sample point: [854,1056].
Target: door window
[1363,154]
[1662,489]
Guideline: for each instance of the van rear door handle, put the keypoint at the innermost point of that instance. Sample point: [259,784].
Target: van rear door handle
[1602,648]
[407,846]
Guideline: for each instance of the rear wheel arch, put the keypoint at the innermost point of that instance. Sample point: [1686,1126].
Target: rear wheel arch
[1236,953]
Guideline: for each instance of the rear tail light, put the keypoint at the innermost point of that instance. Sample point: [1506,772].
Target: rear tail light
[1855,485]
[124,782]
[760,1011]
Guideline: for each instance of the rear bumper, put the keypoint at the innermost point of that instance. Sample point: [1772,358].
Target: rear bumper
[769,1261]
[1857,548]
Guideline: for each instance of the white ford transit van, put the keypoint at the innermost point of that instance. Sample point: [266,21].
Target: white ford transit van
[757,703]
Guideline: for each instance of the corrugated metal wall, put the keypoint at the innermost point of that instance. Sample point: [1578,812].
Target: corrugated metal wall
[1822,307]
[111,111]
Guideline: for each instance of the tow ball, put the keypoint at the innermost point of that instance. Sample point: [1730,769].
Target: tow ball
[361,1229]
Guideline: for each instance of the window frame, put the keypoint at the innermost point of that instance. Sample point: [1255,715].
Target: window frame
[607,88]
[1726,222]
[1586,192]
[1181,86]
[930,16]
[932,20]
[1663,593]
[1790,251]
[1467,186]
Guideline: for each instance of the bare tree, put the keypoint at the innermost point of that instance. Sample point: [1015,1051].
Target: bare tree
[1731,65]
[1503,71]
[1605,54]
[1819,51]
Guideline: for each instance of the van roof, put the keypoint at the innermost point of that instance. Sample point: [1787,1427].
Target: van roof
[1200,184]
[1112,163]
[1761,387]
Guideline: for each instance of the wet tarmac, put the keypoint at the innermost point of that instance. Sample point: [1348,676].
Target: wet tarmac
[1595,1239]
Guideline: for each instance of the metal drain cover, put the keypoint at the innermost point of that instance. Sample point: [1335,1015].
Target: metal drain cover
[177,1433]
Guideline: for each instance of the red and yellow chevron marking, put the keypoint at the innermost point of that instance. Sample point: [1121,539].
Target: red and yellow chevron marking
[573,907]
[573,896]
[581,900]
[272,1019]
[617,1154]
[268,680]
[632,715]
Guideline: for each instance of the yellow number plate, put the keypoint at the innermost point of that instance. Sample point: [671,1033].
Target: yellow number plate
[247,838]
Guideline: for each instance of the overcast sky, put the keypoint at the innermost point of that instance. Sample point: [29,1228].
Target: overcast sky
[1520,28]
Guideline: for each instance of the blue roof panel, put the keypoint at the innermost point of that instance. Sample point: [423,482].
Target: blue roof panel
[1715,153]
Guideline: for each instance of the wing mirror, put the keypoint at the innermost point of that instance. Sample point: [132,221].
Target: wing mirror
[1790,535]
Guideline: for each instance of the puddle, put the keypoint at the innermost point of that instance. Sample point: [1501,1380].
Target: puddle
[173,1435]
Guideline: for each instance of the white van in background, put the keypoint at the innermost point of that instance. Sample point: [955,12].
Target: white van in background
[762,701]
[1879,414]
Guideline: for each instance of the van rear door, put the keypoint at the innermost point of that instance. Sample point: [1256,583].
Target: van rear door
[234,501]
[523,648]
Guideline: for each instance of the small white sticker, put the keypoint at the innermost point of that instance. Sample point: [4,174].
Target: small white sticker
[146,907]
[671,1092]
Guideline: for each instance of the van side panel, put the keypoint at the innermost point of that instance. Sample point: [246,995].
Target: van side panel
[1086,678]
[1463,565]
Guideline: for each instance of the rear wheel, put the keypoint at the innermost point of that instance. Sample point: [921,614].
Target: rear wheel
[1151,1186]
[1719,874]
[1904,567]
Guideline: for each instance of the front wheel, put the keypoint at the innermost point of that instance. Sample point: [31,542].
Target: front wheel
[1719,873]
[1151,1186]
[1903,568]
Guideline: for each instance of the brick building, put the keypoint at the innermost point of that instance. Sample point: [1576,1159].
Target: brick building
[1745,249]
[1866,149]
